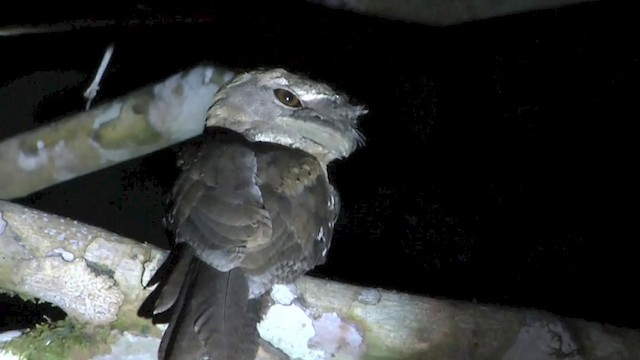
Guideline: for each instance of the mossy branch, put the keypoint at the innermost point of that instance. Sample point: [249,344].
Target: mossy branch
[136,124]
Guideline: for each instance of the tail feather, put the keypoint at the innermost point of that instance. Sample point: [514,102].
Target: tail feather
[177,278]
[173,297]
[212,316]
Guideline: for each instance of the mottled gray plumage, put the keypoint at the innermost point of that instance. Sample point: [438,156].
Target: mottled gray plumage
[252,207]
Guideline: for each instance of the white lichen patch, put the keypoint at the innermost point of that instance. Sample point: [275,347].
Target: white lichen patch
[607,345]
[543,340]
[64,254]
[208,74]
[289,328]
[180,103]
[110,113]
[5,355]
[3,224]
[132,347]
[65,159]
[369,296]
[27,161]
[73,286]
[42,233]
[339,338]
[8,335]
[58,156]
[284,294]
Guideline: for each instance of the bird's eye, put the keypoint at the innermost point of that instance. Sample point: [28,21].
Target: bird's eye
[287,98]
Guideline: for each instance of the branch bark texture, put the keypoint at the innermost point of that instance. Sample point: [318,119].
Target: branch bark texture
[136,124]
[97,277]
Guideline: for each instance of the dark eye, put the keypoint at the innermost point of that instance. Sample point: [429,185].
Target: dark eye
[287,98]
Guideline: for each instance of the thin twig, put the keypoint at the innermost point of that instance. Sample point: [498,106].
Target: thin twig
[92,90]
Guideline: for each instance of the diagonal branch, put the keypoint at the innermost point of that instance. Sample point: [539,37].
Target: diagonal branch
[139,123]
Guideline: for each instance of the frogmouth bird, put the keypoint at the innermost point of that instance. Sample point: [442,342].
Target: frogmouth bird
[252,207]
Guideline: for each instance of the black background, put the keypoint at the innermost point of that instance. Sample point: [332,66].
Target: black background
[498,165]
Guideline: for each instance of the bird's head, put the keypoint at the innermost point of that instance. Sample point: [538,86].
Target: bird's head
[280,107]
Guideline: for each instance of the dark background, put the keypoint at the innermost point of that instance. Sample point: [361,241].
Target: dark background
[498,166]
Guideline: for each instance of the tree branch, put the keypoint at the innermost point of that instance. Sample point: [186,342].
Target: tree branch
[97,277]
[443,13]
[139,123]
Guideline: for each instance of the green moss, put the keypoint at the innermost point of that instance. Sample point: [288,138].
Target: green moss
[60,340]
[131,127]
